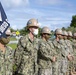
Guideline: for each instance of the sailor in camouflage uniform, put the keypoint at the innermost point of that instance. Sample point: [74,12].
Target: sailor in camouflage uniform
[69,40]
[6,55]
[46,54]
[74,48]
[65,57]
[68,51]
[26,52]
[57,47]
[70,47]
[60,45]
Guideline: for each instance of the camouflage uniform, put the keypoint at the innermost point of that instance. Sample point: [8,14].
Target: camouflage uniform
[70,43]
[6,61]
[45,55]
[57,64]
[74,48]
[70,63]
[26,56]
[64,54]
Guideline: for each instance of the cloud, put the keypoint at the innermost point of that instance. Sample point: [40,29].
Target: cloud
[14,26]
[55,26]
[49,2]
[53,21]
[52,2]
[14,3]
[56,3]
[51,13]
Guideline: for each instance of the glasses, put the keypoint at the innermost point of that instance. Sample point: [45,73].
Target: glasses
[7,35]
[46,34]
[34,27]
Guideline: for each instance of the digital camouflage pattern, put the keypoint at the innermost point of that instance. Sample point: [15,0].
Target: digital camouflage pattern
[64,54]
[6,61]
[74,48]
[69,44]
[57,64]
[45,55]
[26,56]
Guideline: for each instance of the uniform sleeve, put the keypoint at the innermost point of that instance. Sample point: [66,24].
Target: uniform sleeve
[63,48]
[18,56]
[45,52]
[63,51]
[10,61]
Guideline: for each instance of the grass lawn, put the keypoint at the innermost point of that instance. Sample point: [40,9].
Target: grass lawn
[13,46]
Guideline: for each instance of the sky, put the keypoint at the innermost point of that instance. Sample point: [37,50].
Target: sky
[51,13]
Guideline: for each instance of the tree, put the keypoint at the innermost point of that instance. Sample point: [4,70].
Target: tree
[23,31]
[72,29]
[73,22]
[63,28]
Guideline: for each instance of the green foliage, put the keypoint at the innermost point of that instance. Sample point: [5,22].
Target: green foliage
[39,32]
[72,26]
[24,31]
[73,22]
[63,28]
[72,29]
